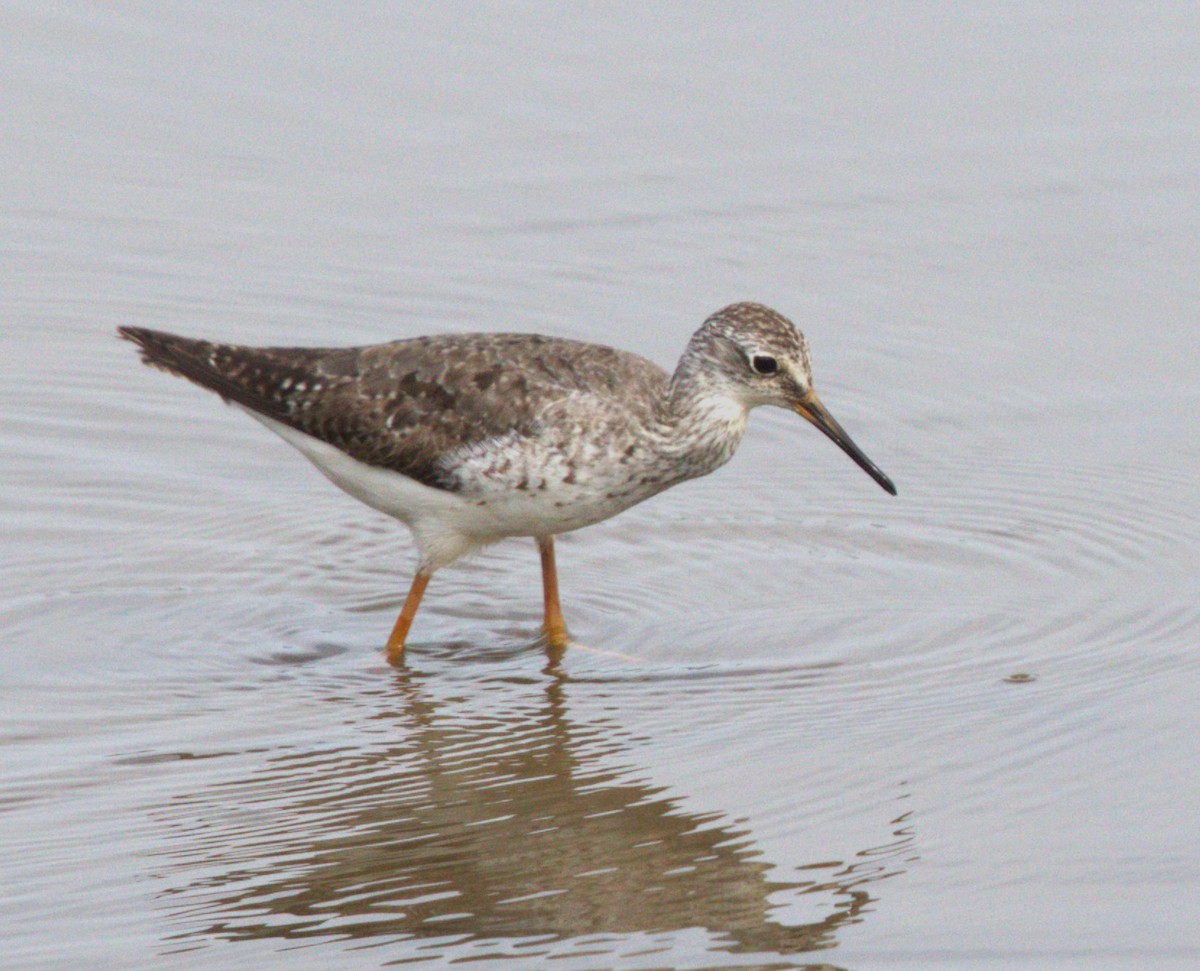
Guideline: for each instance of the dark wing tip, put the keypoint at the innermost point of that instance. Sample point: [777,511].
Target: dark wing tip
[180,357]
[235,373]
[151,342]
[138,335]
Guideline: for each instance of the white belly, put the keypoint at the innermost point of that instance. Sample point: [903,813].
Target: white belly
[447,525]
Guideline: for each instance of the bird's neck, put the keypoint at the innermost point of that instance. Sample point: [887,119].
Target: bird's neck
[706,420]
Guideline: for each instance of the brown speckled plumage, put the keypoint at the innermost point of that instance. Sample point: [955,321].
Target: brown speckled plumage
[406,405]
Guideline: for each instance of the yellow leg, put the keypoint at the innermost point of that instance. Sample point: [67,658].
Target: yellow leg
[556,629]
[395,643]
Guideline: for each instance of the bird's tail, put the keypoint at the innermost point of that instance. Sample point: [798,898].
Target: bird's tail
[223,368]
[167,352]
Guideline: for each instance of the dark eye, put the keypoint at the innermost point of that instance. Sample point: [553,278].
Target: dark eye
[764,364]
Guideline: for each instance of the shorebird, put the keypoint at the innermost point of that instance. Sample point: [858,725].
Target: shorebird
[468,439]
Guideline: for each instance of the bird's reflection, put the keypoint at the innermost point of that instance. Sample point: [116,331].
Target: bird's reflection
[489,814]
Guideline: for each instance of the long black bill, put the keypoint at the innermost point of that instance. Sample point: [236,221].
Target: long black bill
[812,410]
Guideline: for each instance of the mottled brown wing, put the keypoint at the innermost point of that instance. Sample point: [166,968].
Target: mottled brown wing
[403,405]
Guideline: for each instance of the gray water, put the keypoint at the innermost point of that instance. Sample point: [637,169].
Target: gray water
[809,724]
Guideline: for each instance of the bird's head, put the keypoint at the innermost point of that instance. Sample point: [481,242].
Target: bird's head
[758,357]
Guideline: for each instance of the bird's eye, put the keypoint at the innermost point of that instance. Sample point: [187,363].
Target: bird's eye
[764,364]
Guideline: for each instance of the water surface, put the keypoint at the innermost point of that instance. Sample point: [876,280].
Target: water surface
[808,724]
